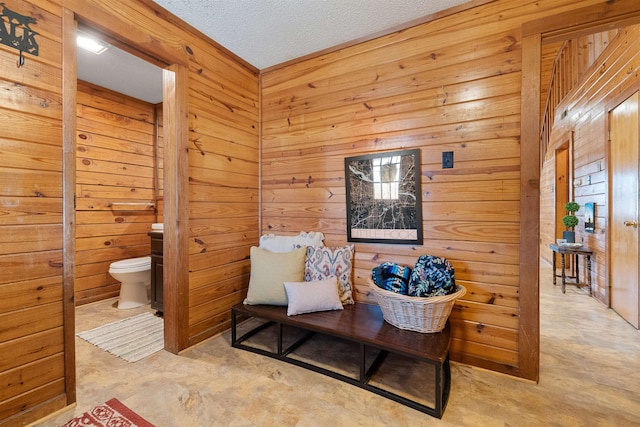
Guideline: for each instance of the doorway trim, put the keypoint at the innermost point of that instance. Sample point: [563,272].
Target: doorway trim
[562,26]
[564,167]
[69,91]
[176,207]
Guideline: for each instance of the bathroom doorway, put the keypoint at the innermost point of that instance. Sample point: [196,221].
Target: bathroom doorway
[174,161]
[118,176]
[112,143]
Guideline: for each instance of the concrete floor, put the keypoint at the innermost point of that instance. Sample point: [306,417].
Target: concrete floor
[589,376]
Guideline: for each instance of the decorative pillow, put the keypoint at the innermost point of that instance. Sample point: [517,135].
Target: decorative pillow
[274,243]
[269,270]
[324,262]
[308,297]
[392,277]
[432,276]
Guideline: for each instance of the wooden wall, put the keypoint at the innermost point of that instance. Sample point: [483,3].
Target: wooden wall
[32,365]
[115,163]
[221,177]
[221,181]
[451,84]
[564,64]
[586,121]
[223,192]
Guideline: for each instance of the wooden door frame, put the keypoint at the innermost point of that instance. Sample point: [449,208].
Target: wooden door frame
[567,147]
[563,26]
[610,104]
[69,84]
[176,189]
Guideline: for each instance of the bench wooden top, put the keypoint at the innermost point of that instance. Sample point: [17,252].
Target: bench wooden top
[362,323]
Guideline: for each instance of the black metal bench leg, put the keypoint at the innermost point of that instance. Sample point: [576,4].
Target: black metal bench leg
[443,387]
[363,359]
[234,326]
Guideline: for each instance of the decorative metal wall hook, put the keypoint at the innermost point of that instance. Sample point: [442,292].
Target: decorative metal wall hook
[15,32]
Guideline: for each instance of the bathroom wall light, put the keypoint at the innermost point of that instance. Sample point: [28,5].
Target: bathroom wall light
[91,44]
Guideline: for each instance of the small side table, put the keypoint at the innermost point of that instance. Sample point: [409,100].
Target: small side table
[565,250]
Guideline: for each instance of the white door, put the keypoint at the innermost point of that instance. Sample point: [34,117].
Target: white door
[623,122]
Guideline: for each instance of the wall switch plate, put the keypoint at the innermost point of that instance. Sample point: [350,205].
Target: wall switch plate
[447,159]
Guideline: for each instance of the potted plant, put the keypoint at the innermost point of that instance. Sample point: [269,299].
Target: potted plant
[570,221]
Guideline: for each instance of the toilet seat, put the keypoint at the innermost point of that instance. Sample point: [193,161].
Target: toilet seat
[131,265]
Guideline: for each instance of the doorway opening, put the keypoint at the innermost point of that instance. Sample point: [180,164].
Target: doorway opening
[118,179]
[535,34]
[562,187]
[174,161]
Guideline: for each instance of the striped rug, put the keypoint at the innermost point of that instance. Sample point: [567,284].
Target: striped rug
[131,339]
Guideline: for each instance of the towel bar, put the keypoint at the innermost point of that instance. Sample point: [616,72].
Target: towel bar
[146,204]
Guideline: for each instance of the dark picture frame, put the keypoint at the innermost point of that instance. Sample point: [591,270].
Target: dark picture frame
[384,203]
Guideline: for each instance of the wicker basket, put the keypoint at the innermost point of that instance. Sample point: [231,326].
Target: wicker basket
[416,313]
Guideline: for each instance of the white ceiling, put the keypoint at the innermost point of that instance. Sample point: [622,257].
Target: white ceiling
[122,72]
[269,32]
[262,32]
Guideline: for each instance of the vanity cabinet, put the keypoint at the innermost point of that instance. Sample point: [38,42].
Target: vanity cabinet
[156,272]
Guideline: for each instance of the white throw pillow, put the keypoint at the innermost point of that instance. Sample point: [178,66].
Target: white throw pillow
[274,243]
[308,297]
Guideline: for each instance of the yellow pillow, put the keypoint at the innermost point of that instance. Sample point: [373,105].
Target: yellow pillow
[269,271]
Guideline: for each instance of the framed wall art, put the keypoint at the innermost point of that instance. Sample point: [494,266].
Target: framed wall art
[590,217]
[384,203]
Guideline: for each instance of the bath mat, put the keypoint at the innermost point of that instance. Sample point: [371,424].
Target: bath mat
[131,339]
[111,413]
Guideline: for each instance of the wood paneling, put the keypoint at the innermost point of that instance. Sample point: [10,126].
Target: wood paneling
[218,123]
[32,357]
[452,84]
[223,188]
[115,162]
[563,66]
[207,147]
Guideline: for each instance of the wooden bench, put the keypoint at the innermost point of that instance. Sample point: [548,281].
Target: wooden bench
[362,324]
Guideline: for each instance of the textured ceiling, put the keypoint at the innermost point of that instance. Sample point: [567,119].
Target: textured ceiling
[262,32]
[269,32]
[122,72]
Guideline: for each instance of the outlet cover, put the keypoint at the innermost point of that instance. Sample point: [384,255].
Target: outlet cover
[447,159]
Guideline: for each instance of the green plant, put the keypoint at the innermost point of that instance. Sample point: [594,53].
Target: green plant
[571,220]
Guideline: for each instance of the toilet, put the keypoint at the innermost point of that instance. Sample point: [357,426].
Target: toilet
[134,276]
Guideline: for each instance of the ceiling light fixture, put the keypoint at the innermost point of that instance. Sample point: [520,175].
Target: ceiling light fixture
[91,44]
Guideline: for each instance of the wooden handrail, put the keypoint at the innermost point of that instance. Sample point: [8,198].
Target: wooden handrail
[568,66]
[557,91]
